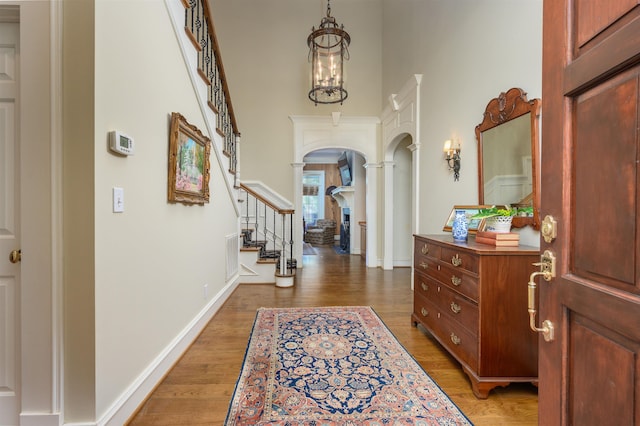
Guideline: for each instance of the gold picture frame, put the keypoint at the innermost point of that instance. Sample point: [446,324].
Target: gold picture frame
[189,164]
[474,224]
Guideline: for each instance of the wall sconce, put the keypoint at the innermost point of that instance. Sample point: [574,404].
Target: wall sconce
[452,156]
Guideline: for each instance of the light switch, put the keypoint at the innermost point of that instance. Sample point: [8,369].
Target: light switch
[118,200]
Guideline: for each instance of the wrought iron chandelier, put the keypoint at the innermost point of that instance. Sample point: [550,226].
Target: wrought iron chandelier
[328,49]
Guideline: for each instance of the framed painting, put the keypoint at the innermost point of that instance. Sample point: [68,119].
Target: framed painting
[189,152]
[474,224]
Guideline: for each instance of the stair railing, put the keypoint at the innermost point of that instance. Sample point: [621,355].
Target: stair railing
[273,236]
[198,25]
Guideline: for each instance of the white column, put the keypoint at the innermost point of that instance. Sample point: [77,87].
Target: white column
[415,190]
[298,232]
[415,182]
[387,259]
[372,214]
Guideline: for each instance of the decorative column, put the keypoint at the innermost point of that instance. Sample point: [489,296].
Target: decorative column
[415,182]
[298,231]
[372,214]
[387,260]
[415,190]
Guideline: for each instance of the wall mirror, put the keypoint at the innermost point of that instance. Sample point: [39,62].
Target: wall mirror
[508,154]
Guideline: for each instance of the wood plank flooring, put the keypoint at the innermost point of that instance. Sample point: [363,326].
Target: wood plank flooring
[198,389]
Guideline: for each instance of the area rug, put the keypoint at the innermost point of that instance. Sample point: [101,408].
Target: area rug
[308,249]
[332,366]
[339,250]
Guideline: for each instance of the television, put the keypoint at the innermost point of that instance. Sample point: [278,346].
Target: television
[345,170]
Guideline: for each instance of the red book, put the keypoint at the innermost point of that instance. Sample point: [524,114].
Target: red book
[496,242]
[498,235]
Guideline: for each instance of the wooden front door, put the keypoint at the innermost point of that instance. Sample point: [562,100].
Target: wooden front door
[590,373]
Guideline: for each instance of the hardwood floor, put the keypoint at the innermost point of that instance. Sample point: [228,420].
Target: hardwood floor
[198,389]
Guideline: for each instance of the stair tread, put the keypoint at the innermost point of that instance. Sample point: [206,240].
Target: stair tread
[267,260]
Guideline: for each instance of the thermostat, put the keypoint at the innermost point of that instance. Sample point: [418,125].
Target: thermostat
[120,143]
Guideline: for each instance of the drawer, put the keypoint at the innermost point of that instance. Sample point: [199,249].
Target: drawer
[426,248]
[459,308]
[456,279]
[460,259]
[423,285]
[453,336]
[444,299]
[426,265]
[423,249]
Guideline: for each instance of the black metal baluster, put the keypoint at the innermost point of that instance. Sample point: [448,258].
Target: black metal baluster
[247,211]
[283,252]
[274,236]
[293,261]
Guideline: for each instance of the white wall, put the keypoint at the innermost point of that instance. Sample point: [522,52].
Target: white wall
[146,268]
[468,52]
[153,260]
[264,50]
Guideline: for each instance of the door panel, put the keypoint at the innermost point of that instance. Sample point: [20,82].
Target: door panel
[590,372]
[605,182]
[9,227]
[593,17]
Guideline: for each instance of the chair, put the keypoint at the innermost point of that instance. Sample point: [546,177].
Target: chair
[321,233]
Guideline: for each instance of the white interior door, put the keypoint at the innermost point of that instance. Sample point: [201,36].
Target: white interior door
[9,226]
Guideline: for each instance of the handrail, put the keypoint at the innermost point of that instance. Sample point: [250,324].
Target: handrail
[265,201]
[260,231]
[218,55]
[200,30]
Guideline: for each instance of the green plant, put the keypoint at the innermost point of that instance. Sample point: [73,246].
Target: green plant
[495,211]
[524,211]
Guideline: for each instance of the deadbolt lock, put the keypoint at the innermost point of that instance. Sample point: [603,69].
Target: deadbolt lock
[549,229]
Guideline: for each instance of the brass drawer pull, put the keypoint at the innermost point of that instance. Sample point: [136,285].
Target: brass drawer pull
[425,249]
[424,265]
[455,339]
[424,286]
[456,280]
[455,308]
[456,261]
[424,312]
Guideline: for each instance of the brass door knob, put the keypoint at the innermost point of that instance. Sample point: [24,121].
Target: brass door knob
[15,256]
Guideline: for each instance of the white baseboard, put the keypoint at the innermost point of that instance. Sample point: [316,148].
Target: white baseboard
[40,419]
[124,407]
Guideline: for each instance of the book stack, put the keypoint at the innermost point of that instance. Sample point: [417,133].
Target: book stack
[498,239]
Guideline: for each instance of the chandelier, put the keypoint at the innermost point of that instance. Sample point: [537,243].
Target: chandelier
[328,49]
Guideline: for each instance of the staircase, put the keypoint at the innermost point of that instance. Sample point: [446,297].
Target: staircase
[266,253]
[266,219]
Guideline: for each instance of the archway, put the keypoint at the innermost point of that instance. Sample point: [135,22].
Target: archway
[341,198]
[356,134]
[400,130]
[402,221]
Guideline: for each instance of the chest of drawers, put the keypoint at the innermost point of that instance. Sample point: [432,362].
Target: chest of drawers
[472,298]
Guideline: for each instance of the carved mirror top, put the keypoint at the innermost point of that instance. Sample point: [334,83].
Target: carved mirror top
[508,152]
[507,106]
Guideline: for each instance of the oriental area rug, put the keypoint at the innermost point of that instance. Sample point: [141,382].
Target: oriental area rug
[333,366]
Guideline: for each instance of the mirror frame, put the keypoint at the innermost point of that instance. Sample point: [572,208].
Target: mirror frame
[508,106]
